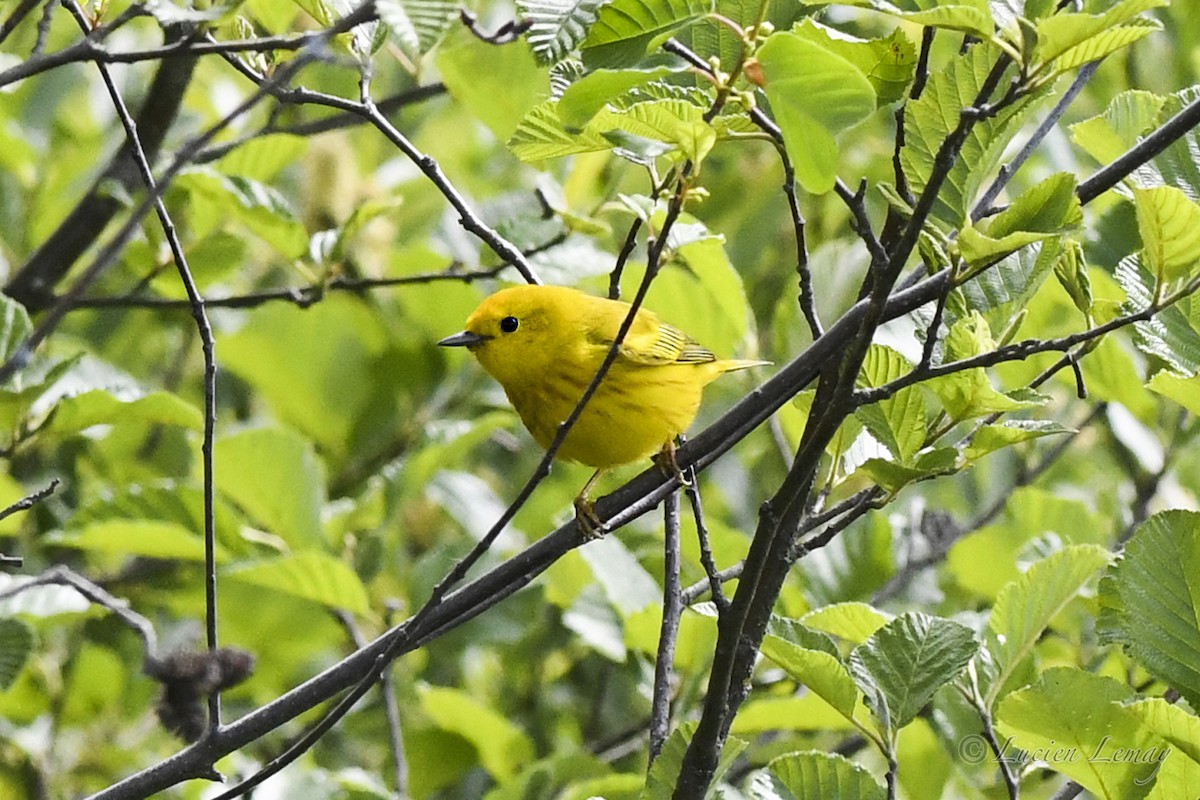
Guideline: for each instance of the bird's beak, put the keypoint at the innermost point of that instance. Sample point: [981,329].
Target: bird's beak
[463,339]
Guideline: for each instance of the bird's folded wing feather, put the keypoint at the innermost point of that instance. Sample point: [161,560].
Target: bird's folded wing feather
[654,343]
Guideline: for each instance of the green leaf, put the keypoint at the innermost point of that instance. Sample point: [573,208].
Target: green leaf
[1070,717]
[969,16]
[1158,586]
[1072,273]
[1169,223]
[309,575]
[889,64]
[815,94]
[990,438]
[496,84]
[1169,334]
[1004,290]
[98,407]
[16,643]
[931,118]
[1070,40]
[813,775]
[820,671]
[1051,207]
[542,135]
[502,746]
[275,476]
[260,207]
[969,393]
[854,622]
[558,26]
[901,666]
[899,421]
[1175,725]
[635,23]
[586,96]
[1026,607]
[417,25]
[674,122]
[664,772]
[308,365]
[1183,390]
[138,537]
[1130,114]
[15,326]
[805,712]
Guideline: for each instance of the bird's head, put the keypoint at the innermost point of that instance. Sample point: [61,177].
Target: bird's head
[516,332]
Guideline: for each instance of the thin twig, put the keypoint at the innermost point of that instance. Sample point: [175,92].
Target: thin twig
[62,575]
[692,488]
[660,704]
[984,206]
[207,344]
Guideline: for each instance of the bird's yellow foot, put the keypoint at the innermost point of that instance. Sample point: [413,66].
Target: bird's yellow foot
[667,463]
[585,517]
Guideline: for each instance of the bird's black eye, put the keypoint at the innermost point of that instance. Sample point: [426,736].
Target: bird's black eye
[509,324]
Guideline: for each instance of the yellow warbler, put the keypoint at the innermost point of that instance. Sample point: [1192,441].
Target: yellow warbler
[545,343]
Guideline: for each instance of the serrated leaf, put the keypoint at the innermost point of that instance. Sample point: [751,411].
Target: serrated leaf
[1158,585]
[854,622]
[969,392]
[1169,334]
[1050,207]
[815,94]
[901,666]
[309,575]
[98,407]
[821,672]
[1070,40]
[664,772]
[889,64]
[899,421]
[1108,135]
[677,123]
[1069,711]
[1173,724]
[813,775]
[1183,390]
[542,135]
[1169,223]
[16,643]
[590,93]
[1006,288]
[930,119]
[1026,606]
[625,20]
[970,16]
[990,438]
[417,25]
[558,26]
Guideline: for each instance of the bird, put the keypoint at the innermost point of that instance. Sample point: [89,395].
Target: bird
[544,344]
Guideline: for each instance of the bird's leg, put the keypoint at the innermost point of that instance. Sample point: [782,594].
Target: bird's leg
[667,463]
[585,511]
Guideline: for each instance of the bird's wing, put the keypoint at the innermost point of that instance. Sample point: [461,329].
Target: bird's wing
[653,343]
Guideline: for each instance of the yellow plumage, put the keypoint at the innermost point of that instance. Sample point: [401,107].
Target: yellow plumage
[544,344]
